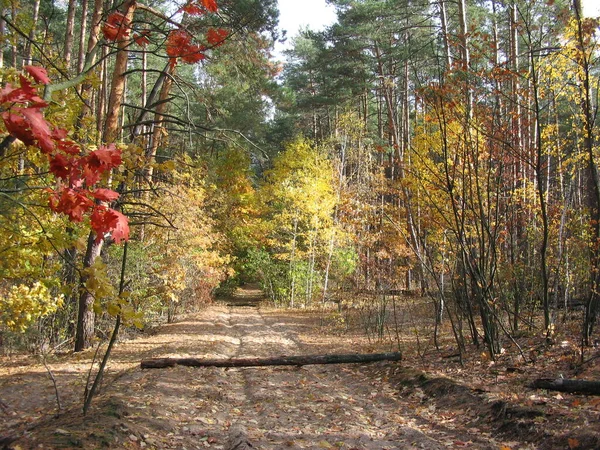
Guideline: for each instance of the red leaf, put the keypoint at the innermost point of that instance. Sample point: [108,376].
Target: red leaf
[105,195]
[116,26]
[18,127]
[176,41]
[91,175]
[216,36]
[210,5]
[68,146]
[39,74]
[71,202]
[104,159]
[120,231]
[60,166]
[25,94]
[99,162]
[142,39]
[6,93]
[193,9]
[110,32]
[30,93]
[39,128]
[110,156]
[179,46]
[59,133]
[193,55]
[105,220]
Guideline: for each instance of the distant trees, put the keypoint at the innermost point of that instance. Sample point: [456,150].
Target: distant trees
[298,202]
[445,148]
[487,172]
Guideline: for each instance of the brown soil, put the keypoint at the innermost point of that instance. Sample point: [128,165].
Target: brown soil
[428,402]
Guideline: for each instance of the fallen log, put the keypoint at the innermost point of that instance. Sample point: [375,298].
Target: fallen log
[570,386]
[161,363]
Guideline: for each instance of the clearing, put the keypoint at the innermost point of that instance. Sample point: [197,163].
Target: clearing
[383,405]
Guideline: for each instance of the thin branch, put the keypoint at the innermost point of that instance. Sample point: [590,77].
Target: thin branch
[53,378]
[33,43]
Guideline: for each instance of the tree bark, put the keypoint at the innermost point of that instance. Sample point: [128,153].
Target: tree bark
[2,33]
[592,187]
[82,35]
[444,24]
[85,313]
[162,363]
[68,48]
[161,109]
[85,317]
[34,21]
[570,386]
[117,90]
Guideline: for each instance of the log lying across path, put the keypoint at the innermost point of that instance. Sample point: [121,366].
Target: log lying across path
[161,363]
[570,386]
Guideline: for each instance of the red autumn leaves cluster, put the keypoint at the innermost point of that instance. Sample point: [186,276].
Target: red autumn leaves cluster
[75,194]
[197,8]
[179,44]
[116,27]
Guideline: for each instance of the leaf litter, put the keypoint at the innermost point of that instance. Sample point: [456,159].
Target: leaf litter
[384,405]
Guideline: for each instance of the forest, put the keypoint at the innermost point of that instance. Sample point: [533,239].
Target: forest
[156,154]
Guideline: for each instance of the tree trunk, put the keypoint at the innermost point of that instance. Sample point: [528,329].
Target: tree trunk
[444,24]
[162,363]
[570,386]
[85,318]
[160,111]
[541,188]
[593,178]
[82,34]
[2,33]
[85,314]
[34,21]
[465,55]
[117,88]
[68,48]
[90,52]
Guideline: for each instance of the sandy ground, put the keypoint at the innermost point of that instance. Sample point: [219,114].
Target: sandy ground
[344,406]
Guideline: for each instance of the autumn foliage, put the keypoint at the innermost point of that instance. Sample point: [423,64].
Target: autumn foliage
[116,27]
[75,193]
[197,8]
[179,45]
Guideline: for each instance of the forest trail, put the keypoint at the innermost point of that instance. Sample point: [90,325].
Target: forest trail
[312,407]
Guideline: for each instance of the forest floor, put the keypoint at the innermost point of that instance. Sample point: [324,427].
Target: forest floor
[426,401]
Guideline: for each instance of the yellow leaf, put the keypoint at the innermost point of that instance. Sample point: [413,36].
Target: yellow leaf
[325,444]
[113,309]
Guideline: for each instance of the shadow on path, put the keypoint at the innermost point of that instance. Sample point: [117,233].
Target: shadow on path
[248,295]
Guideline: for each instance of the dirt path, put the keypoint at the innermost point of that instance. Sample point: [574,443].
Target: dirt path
[341,406]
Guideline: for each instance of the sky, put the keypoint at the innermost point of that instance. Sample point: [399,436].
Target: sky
[296,14]
[317,14]
[591,8]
